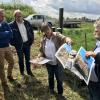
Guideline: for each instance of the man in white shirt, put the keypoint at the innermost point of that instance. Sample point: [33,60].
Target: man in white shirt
[22,40]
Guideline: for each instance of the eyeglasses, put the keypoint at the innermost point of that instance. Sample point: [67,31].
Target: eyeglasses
[18,16]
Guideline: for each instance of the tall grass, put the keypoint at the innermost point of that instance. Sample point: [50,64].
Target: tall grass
[78,36]
[38,88]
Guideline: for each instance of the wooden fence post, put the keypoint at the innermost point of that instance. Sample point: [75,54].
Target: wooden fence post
[61,19]
[85,41]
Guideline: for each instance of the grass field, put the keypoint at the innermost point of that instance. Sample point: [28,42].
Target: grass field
[78,35]
[36,88]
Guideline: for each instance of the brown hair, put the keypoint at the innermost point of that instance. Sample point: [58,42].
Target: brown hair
[97,23]
[45,26]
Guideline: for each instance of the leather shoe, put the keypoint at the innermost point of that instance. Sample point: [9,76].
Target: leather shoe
[10,78]
[31,74]
[5,87]
[52,91]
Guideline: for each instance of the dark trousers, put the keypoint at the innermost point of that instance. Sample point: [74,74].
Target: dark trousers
[22,53]
[94,90]
[54,70]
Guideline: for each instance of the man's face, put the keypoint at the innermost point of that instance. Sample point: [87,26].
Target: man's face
[1,16]
[97,33]
[18,17]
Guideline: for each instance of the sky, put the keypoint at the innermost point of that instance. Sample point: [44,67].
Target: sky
[72,8]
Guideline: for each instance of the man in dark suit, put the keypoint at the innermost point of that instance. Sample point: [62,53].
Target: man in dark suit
[23,38]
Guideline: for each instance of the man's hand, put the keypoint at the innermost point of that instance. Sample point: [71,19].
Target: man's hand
[90,53]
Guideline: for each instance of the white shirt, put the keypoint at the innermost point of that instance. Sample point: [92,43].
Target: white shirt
[23,31]
[50,51]
[0,24]
[93,76]
[98,47]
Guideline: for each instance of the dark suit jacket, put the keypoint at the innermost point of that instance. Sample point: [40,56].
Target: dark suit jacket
[17,39]
[97,67]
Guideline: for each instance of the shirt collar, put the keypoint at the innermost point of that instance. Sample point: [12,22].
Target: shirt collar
[98,43]
[20,23]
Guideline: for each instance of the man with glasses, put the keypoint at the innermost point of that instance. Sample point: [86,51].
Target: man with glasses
[22,40]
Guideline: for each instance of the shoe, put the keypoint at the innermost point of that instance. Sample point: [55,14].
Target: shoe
[11,79]
[5,87]
[52,91]
[6,90]
[60,97]
[31,74]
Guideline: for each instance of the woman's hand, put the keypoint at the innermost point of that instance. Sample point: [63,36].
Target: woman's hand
[68,40]
[35,62]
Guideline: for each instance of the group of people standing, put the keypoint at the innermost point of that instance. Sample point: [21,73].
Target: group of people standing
[19,33]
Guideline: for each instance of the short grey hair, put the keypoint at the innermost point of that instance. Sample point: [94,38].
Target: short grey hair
[17,11]
[2,11]
[97,23]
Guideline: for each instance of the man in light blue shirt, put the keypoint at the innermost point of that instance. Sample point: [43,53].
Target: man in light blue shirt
[94,86]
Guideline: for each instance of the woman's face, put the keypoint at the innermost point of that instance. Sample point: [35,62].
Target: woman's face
[48,32]
[97,33]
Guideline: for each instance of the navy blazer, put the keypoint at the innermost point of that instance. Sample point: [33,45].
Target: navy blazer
[17,39]
[97,65]
[5,34]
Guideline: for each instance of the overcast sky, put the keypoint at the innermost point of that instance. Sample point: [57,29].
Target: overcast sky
[72,8]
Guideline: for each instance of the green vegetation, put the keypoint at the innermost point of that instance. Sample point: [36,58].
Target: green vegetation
[37,89]
[78,35]
[9,9]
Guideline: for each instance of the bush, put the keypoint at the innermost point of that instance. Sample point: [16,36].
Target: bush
[9,9]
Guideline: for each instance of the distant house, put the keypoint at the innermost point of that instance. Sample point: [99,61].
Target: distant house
[71,24]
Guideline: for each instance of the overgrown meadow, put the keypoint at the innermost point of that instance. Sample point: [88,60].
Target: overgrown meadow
[36,88]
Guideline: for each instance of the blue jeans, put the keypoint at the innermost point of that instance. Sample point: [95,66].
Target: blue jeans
[94,90]
[54,70]
[25,51]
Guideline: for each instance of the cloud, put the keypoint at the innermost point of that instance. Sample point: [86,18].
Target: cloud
[78,6]
[43,7]
[72,8]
